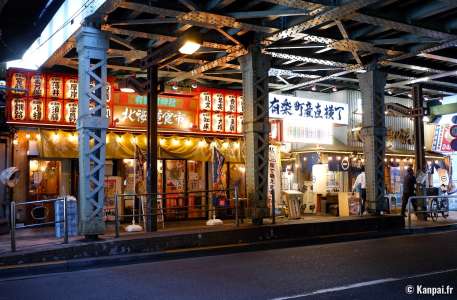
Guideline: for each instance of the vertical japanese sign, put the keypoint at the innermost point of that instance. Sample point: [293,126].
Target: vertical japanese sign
[18,109]
[18,82]
[36,110]
[71,112]
[54,111]
[282,106]
[55,87]
[37,83]
[71,89]
[220,111]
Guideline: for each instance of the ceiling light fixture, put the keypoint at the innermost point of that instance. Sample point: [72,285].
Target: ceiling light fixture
[189,47]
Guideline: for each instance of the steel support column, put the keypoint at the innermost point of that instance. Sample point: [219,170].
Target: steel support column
[418,102]
[373,131]
[254,66]
[91,125]
[151,223]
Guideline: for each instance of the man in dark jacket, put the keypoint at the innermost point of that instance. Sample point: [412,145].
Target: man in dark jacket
[409,189]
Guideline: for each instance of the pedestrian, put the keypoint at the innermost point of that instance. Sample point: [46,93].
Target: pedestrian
[409,190]
[360,186]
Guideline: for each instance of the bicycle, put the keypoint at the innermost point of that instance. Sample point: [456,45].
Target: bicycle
[438,206]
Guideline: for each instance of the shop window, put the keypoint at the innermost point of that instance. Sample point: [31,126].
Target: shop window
[44,179]
[44,176]
[237,175]
[175,188]
[196,182]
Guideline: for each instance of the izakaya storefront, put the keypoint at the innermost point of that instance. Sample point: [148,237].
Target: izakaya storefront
[191,122]
[320,150]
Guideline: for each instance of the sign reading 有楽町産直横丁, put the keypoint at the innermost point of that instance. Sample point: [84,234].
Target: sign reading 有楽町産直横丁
[283,106]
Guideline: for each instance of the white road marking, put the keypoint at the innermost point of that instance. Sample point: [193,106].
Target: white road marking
[362,284]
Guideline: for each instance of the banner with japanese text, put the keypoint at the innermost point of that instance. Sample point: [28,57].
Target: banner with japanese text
[284,106]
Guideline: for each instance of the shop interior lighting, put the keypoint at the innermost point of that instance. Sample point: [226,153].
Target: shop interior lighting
[385,159]
[362,160]
[391,160]
[397,160]
[225,145]
[437,162]
[189,47]
[38,137]
[429,162]
[162,141]
[175,142]
[188,142]
[304,158]
[55,137]
[236,145]
[242,169]
[34,165]
[134,140]
[330,158]
[127,90]
[107,138]
[119,139]
[202,143]
[338,158]
[27,136]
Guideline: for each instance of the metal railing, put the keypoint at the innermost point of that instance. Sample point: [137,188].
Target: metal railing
[13,206]
[428,207]
[209,210]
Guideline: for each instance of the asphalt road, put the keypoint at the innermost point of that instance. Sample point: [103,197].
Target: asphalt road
[388,268]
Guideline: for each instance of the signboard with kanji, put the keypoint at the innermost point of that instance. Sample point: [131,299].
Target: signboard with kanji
[52,99]
[220,111]
[283,106]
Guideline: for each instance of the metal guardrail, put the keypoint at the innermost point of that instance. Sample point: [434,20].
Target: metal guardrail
[13,206]
[428,209]
[165,210]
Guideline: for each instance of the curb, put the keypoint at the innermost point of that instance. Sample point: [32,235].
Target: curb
[118,260]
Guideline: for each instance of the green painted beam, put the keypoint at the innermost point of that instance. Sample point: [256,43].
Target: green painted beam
[443,109]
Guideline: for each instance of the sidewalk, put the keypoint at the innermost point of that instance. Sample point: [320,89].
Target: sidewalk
[41,247]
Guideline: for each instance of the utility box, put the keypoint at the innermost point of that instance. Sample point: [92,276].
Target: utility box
[72,217]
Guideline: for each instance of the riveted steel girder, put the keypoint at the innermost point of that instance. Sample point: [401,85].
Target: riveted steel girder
[374,136]
[254,66]
[91,125]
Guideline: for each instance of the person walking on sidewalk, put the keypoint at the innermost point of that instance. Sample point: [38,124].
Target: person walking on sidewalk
[409,189]
[360,183]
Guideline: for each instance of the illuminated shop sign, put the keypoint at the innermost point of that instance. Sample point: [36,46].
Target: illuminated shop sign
[318,132]
[282,106]
[52,99]
[220,111]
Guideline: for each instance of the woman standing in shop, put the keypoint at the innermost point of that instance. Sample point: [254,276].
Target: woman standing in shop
[360,183]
